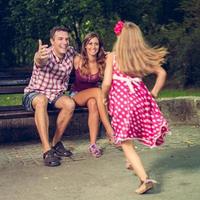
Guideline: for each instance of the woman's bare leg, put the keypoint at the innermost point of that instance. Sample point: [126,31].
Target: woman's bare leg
[81,99]
[93,120]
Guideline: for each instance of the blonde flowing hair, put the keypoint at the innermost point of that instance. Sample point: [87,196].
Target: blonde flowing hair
[134,55]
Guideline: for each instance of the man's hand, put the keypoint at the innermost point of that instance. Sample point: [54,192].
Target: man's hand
[42,55]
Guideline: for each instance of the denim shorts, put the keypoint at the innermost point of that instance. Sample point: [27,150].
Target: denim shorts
[72,93]
[28,97]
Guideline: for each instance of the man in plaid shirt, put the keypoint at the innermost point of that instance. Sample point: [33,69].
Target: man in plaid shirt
[49,81]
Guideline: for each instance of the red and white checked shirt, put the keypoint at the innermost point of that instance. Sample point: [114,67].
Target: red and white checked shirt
[52,79]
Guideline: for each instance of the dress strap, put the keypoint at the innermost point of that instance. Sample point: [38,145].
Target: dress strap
[114,59]
[114,62]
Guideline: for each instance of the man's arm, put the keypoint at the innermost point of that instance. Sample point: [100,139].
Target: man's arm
[42,55]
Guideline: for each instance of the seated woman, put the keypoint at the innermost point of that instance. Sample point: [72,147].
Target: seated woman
[89,68]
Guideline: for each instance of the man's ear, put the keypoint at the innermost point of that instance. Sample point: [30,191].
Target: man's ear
[51,40]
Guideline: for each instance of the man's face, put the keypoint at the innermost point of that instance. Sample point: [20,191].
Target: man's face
[60,42]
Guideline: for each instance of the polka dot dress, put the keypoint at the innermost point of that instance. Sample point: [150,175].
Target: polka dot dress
[134,112]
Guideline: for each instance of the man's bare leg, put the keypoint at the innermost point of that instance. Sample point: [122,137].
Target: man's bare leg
[40,103]
[66,106]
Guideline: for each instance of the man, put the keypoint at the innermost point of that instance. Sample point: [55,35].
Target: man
[49,81]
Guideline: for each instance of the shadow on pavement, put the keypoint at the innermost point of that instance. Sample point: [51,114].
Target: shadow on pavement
[184,160]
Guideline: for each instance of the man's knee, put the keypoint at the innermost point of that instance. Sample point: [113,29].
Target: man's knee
[68,105]
[40,101]
[71,105]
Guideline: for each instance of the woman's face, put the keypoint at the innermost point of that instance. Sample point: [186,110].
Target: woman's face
[92,47]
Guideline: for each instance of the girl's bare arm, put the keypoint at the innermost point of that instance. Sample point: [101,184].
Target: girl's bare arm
[160,80]
[107,76]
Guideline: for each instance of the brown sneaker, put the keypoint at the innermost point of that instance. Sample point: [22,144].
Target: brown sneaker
[147,185]
[61,150]
[50,158]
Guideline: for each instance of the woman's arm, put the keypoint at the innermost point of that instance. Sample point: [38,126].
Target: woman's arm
[77,61]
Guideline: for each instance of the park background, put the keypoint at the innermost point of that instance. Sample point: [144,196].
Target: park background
[174,24]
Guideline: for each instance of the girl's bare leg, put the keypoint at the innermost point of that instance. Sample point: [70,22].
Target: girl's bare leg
[132,156]
[134,159]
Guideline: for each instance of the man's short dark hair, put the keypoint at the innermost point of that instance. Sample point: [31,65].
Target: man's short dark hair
[58,28]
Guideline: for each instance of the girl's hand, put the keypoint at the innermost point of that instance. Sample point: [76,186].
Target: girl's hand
[111,139]
[105,101]
[154,94]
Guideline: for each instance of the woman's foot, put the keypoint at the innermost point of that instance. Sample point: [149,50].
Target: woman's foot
[95,151]
[145,186]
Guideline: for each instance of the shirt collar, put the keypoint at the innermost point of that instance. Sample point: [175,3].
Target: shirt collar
[58,60]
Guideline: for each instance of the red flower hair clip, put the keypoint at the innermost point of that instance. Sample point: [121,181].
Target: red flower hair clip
[118,27]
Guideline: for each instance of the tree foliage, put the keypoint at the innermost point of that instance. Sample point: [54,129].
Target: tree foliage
[183,39]
[174,24]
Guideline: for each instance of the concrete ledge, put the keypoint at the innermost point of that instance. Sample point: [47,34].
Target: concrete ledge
[181,110]
[23,129]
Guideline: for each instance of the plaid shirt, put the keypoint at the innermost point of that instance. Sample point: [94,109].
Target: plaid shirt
[52,79]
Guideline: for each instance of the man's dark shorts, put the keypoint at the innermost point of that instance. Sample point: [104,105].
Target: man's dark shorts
[27,100]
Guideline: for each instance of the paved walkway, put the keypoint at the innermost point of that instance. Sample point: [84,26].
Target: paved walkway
[175,165]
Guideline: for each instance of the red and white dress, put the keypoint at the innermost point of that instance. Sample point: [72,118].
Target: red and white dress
[134,112]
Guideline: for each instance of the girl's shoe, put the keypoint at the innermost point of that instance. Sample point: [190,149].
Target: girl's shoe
[95,150]
[145,186]
[128,165]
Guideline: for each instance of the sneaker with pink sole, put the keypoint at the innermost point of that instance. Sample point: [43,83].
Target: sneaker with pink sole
[95,151]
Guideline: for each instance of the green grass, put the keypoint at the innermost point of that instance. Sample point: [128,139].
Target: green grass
[179,93]
[11,99]
[16,99]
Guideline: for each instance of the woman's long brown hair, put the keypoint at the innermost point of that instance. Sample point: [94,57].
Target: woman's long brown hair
[100,58]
